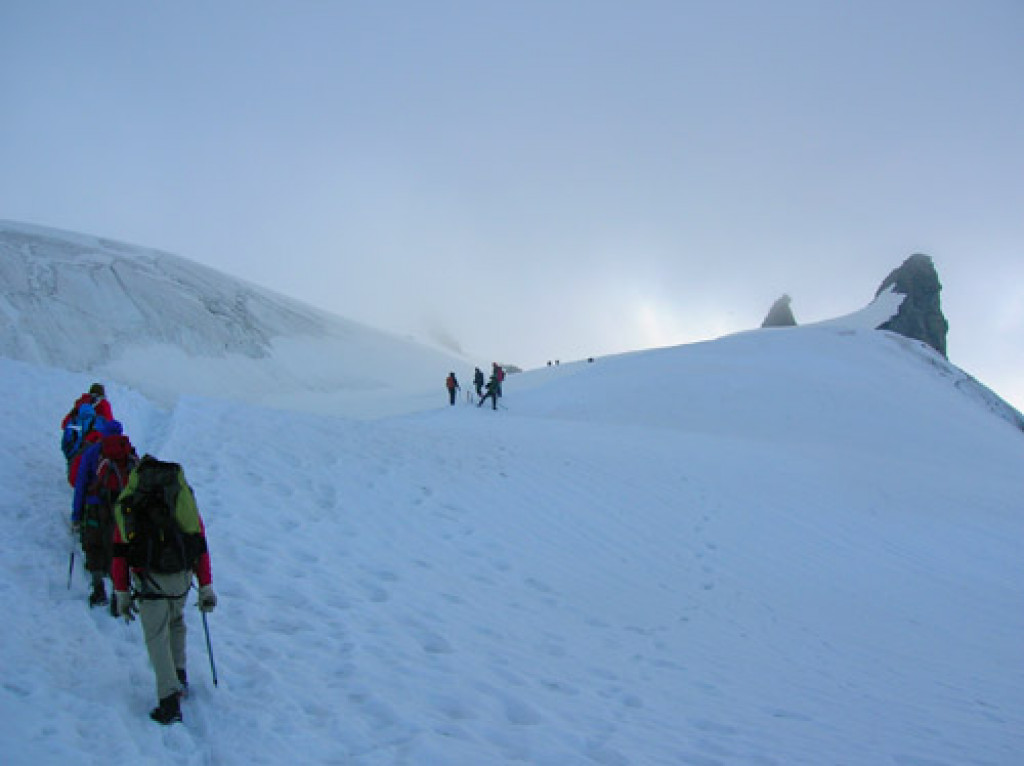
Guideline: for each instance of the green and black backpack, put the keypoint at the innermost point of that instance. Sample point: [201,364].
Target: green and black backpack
[158,519]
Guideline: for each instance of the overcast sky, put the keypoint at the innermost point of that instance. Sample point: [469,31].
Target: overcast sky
[541,180]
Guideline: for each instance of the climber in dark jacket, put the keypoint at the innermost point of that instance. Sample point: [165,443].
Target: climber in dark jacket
[453,385]
[493,387]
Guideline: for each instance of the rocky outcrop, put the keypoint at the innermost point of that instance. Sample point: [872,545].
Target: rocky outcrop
[780,314]
[920,315]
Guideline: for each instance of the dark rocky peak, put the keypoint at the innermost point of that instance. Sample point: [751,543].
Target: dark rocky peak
[780,314]
[920,315]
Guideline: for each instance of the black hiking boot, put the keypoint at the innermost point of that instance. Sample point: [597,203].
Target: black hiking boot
[168,711]
[183,681]
[98,597]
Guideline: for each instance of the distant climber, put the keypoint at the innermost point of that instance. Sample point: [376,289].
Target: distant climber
[493,389]
[452,384]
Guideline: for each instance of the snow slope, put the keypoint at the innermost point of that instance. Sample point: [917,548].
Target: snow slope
[787,546]
[168,326]
[796,546]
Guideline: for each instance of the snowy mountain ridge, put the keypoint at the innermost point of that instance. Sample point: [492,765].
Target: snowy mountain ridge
[171,327]
[91,304]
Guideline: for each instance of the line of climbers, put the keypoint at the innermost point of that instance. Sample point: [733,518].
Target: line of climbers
[138,523]
[493,390]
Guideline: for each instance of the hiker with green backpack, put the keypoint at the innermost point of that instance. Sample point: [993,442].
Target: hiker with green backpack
[159,544]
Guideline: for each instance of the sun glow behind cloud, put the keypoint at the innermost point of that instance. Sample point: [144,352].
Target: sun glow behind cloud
[654,327]
[657,324]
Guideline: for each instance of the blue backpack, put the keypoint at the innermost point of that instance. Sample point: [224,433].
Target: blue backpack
[73,439]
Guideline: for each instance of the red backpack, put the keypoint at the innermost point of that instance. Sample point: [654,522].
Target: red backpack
[117,459]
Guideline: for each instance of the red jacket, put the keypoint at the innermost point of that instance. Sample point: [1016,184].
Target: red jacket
[102,407]
[100,404]
[90,438]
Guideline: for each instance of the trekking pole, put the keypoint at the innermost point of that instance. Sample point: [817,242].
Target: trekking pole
[71,558]
[209,648]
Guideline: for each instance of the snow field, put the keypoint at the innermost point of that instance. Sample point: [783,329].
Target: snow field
[717,554]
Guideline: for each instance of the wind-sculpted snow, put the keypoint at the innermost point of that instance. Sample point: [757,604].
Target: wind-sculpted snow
[170,327]
[727,553]
[113,294]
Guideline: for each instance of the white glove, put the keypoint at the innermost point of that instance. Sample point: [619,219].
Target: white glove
[125,607]
[207,598]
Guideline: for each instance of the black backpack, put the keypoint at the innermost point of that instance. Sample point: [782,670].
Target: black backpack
[155,538]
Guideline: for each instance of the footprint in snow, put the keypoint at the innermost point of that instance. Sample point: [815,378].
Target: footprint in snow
[375,593]
[432,643]
[537,585]
[382,574]
[518,713]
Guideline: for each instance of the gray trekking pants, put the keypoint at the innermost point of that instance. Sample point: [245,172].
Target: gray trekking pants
[161,606]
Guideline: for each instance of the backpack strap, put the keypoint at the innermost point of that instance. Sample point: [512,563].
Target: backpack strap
[100,485]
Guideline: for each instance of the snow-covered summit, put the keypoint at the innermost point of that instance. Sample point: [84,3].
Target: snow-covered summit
[94,305]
